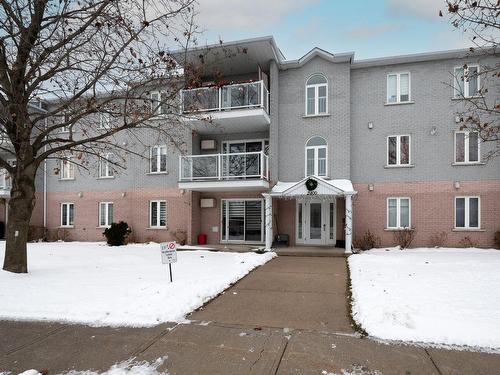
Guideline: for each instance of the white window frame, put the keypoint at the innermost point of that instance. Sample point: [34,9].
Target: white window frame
[466,147]
[104,121]
[316,87]
[158,159]
[157,223]
[467,212]
[398,150]
[398,213]
[316,158]
[456,93]
[68,225]
[398,87]
[226,230]
[109,171]
[67,165]
[159,110]
[106,205]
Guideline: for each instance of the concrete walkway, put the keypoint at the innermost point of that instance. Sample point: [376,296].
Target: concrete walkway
[289,316]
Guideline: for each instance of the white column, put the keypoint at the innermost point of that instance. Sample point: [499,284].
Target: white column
[268,217]
[348,223]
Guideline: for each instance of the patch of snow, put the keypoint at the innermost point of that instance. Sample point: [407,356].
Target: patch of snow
[128,367]
[96,284]
[430,295]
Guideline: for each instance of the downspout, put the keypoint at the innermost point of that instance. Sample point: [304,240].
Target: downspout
[45,188]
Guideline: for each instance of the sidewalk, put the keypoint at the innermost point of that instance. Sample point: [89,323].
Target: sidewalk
[287,317]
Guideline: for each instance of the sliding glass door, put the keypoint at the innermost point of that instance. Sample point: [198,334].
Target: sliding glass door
[242,220]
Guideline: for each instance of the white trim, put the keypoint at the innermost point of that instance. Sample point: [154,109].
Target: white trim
[316,87]
[158,217]
[398,151]
[466,148]
[398,88]
[106,214]
[467,226]
[398,213]
[325,221]
[68,225]
[465,94]
[158,159]
[70,168]
[226,229]
[104,158]
[316,157]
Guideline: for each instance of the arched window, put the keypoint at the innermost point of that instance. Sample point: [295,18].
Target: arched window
[316,95]
[316,157]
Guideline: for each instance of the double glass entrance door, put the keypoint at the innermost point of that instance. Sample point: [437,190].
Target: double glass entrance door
[316,222]
[242,220]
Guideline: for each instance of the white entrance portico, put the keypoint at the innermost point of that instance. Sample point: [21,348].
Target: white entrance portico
[316,200]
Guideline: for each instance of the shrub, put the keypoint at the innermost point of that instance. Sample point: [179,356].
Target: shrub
[467,242]
[180,236]
[497,239]
[438,239]
[404,237]
[117,233]
[367,241]
[36,233]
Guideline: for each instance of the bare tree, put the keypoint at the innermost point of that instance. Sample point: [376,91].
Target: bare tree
[95,63]
[481,20]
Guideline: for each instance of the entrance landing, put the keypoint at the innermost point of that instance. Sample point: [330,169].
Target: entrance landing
[311,251]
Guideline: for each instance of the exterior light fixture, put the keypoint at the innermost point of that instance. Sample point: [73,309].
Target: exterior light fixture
[433,130]
[124,194]
[457,184]
[370,125]
[370,187]
[80,194]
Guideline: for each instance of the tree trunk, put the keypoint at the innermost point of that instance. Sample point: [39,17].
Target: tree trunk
[21,204]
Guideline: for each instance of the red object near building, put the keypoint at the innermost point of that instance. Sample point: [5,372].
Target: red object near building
[202,239]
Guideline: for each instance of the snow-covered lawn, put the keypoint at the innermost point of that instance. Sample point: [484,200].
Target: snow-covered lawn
[99,285]
[441,296]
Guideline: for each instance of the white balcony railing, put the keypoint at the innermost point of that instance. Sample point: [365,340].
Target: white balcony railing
[234,166]
[237,96]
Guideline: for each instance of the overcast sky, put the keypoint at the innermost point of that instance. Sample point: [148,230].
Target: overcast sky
[370,28]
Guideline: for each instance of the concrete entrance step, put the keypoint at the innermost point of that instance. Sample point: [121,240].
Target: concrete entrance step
[310,251]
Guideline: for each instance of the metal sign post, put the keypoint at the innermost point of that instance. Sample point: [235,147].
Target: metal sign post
[169,255]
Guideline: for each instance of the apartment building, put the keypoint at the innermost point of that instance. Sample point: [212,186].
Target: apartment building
[321,149]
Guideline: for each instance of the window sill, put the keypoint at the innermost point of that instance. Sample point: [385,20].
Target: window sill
[156,228]
[468,230]
[399,166]
[467,97]
[104,227]
[458,164]
[319,115]
[397,229]
[66,227]
[398,103]
[67,179]
[155,173]
[106,178]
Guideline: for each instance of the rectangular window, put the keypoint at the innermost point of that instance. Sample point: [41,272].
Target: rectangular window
[242,220]
[398,87]
[106,166]
[158,159]
[67,169]
[466,81]
[67,214]
[466,147]
[398,213]
[467,212]
[105,214]
[159,105]
[398,150]
[158,214]
[104,121]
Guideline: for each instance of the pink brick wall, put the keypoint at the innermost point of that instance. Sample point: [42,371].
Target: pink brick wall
[132,208]
[432,210]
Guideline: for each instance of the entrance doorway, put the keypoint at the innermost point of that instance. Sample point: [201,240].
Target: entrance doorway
[316,221]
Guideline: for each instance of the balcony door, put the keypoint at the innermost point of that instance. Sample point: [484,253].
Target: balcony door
[242,220]
[315,222]
[240,164]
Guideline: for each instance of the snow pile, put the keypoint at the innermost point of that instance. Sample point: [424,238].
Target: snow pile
[99,285]
[128,367]
[440,296]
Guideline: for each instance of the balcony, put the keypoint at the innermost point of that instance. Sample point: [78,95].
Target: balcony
[240,171]
[242,106]
[5,184]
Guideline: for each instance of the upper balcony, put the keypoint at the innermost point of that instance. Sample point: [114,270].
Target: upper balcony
[5,183]
[238,107]
[224,172]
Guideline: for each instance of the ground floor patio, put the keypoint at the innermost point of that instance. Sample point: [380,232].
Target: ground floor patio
[288,316]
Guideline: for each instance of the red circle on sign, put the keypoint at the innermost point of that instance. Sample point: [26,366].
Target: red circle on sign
[171,245]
